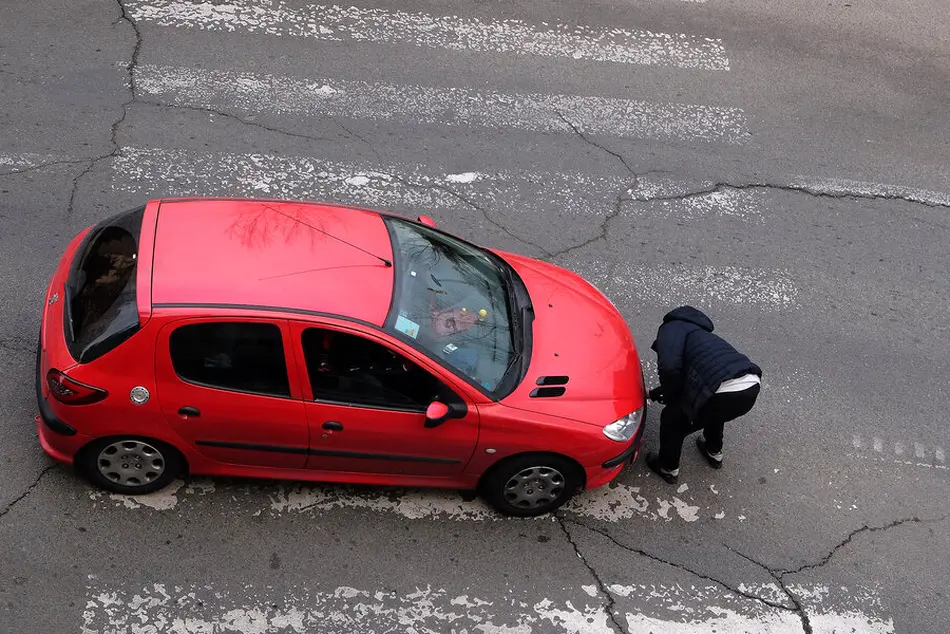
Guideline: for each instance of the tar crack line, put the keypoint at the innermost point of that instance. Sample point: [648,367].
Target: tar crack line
[610,606]
[722,584]
[29,489]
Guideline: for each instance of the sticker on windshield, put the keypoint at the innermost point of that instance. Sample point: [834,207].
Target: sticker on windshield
[407,326]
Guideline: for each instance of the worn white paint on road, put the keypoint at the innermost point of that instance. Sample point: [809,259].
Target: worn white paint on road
[308,97]
[613,503]
[358,24]
[844,187]
[767,289]
[673,198]
[160,608]
[912,453]
[159,172]
[702,609]
[13,162]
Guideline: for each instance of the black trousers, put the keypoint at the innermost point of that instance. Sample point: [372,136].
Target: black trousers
[675,425]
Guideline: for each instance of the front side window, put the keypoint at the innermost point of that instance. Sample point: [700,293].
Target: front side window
[455,302]
[347,368]
[239,356]
[101,307]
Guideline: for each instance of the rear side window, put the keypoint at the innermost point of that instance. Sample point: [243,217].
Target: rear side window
[101,309]
[238,356]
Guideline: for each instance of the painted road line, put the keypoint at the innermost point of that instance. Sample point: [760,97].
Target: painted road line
[844,187]
[179,172]
[300,96]
[356,24]
[612,503]
[13,162]
[674,198]
[671,609]
[913,453]
[767,289]
[162,172]
[675,609]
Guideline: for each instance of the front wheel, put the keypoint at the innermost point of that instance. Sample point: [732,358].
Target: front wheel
[129,465]
[527,486]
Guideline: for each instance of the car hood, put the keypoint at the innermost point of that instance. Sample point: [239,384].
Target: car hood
[578,334]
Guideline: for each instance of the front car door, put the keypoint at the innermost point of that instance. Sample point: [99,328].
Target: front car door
[225,387]
[366,407]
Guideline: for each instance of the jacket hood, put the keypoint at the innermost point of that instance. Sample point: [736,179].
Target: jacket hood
[691,315]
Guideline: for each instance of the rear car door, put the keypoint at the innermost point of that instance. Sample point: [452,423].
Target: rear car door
[225,387]
[366,404]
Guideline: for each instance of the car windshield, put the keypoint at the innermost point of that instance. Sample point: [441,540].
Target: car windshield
[454,301]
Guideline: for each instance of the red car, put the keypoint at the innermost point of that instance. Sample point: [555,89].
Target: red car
[294,340]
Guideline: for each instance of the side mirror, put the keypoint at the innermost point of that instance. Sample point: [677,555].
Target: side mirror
[427,221]
[438,412]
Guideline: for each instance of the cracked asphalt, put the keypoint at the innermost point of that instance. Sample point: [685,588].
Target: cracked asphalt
[818,244]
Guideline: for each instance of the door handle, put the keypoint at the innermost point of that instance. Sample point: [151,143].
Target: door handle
[189,411]
[332,424]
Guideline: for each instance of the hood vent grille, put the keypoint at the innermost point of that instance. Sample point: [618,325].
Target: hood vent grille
[547,392]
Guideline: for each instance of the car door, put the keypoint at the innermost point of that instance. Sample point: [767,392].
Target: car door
[225,387]
[366,403]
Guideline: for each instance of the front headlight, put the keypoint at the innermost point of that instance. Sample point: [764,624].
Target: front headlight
[623,429]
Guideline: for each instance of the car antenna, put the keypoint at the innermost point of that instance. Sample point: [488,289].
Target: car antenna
[307,224]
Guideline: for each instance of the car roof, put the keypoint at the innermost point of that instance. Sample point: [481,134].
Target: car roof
[299,256]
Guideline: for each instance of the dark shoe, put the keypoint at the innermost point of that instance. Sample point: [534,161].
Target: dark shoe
[714,463]
[653,461]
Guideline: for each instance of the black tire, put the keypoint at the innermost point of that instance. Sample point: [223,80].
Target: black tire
[557,474]
[87,463]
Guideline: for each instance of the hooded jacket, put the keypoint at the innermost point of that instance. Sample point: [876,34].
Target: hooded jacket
[692,362]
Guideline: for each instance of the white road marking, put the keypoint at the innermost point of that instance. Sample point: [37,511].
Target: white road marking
[24,160]
[270,94]
[611,503]
[765,289]
[845,187]
[901,452]
[726,203]
[669,609]
[159,172]
[356,24]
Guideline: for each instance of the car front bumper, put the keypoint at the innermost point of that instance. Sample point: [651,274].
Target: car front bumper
[610,469]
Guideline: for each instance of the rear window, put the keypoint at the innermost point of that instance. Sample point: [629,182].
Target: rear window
[101,299]
[238,356]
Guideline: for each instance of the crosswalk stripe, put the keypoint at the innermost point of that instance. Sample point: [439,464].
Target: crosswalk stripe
[612,504]
[161,172]
[263,93]
[356,24]
[766,289]
[840,187]
[24,160]
[668,608]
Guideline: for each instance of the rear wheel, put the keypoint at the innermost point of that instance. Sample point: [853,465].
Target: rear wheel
[130,465]
[531,485]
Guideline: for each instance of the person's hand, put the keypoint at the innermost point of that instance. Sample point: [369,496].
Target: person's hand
[656,394]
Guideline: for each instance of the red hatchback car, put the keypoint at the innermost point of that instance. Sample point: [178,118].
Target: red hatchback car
[294,340]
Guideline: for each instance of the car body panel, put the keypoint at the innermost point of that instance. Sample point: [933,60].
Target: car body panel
[261,253]
[377,440]
[578,334]
[234,427]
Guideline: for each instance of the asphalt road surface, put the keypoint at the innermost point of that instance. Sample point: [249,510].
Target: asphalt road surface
[781,165]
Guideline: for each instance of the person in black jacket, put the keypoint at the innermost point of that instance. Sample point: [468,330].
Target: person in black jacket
[704,383]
